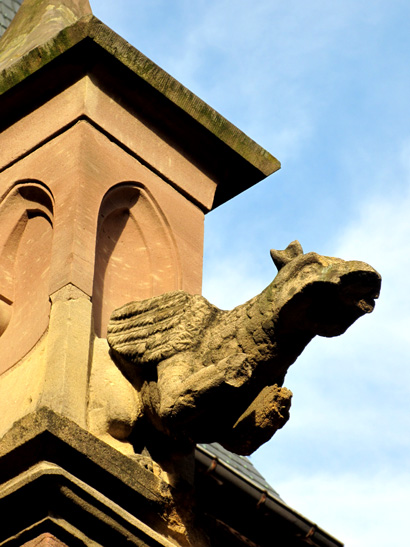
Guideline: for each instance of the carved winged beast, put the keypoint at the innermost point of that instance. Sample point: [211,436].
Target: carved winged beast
[205,374]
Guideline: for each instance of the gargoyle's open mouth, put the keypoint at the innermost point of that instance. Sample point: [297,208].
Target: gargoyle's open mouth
[328,307]
[356,295]
[360,289]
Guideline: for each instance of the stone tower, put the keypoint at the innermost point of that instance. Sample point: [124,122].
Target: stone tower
[107,168]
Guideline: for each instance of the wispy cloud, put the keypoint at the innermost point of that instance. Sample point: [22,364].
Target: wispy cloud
[324,86]
[344,458]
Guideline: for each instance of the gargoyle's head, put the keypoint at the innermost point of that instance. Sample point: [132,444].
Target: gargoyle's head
[320,294]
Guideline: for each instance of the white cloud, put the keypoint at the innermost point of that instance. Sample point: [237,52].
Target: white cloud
[380,235]
[231,282]
[344,458]
[323,86]
[270,67]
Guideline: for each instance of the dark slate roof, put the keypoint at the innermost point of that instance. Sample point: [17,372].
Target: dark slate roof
[239,466]
[242,490]
[8,9]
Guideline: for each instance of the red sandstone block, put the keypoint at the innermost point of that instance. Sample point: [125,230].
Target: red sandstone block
[45,540]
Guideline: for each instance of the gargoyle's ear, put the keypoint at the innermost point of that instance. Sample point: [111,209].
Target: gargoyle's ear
[280,258]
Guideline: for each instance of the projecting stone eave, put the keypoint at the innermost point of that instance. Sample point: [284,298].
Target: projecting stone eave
[229,156]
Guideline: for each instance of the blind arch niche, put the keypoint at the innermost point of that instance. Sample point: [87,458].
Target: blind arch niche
[136,256]
[27,217]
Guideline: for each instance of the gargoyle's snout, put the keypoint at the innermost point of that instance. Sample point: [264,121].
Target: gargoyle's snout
[360,286]
[325,295]
[350,293]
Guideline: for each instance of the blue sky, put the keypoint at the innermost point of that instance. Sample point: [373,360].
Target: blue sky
[324,86]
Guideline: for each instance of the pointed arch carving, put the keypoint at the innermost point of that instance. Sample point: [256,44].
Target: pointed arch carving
[136,255]
[26,221]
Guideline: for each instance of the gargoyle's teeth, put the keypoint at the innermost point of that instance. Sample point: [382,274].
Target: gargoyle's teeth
[366,305]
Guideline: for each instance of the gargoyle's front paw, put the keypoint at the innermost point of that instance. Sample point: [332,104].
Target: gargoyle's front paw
[264,416]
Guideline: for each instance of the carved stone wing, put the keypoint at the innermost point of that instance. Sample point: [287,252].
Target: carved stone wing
[157,328]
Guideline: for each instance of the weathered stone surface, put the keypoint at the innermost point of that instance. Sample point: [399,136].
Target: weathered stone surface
[36,22]
[205,375]
[114,406]
[52,471]
[263,417]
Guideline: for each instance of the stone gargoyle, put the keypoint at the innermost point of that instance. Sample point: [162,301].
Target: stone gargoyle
[205,374]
